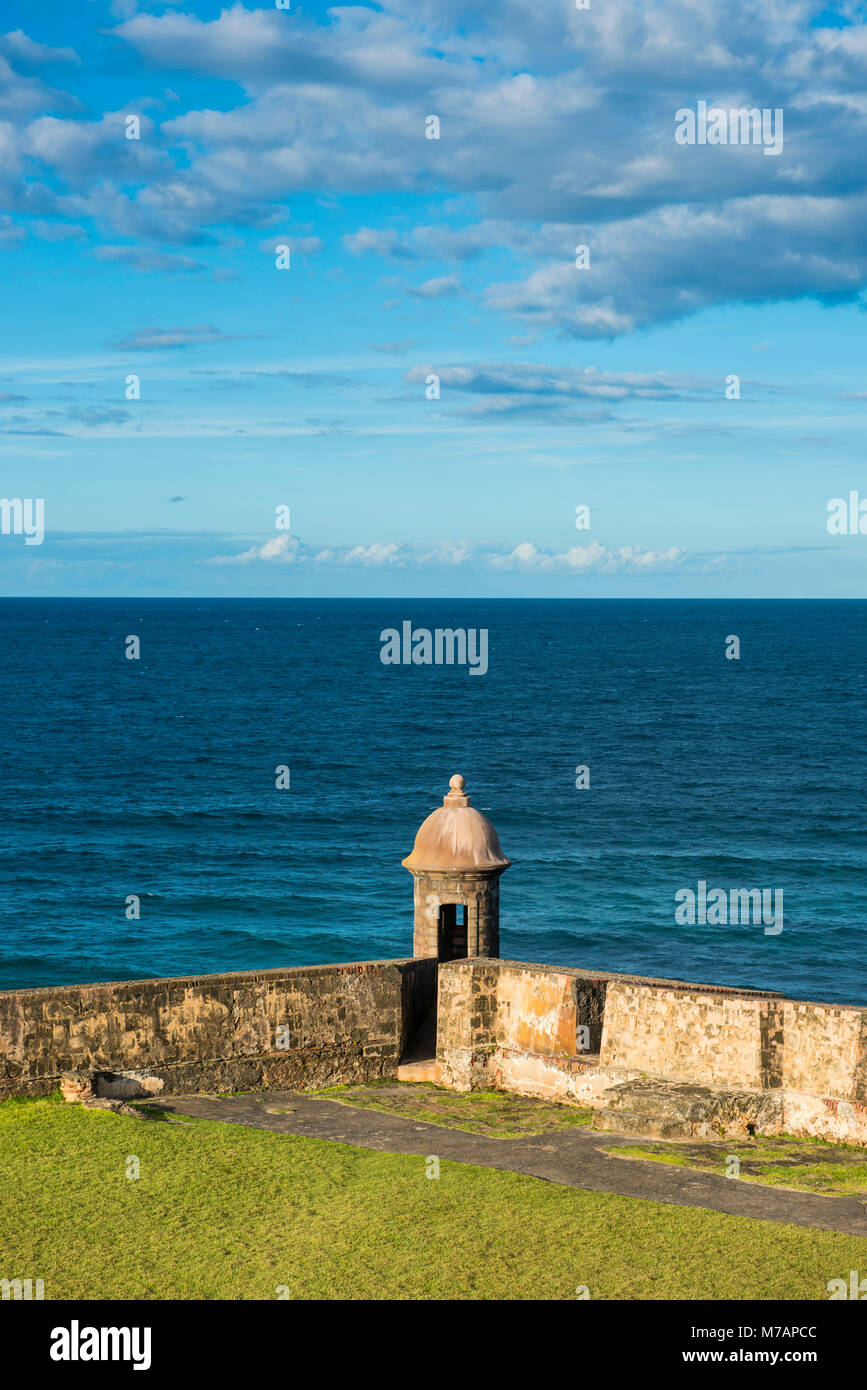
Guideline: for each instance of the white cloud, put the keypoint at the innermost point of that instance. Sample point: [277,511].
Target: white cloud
[26,50]
[145,258]
[511,387]
[282,549]
[374,556]
[377,241]
[593,558]
[440,287]
[447,553]
[527,557]
[557,124]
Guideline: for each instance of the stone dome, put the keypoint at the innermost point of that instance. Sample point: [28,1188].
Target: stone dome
[456,838]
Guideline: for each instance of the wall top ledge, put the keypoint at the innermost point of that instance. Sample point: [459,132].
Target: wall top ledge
[230,977]
[617,976]
[652,982]
[240,978]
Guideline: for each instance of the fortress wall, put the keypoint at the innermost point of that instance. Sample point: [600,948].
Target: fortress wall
[516,1025]
[573,1035]
[701,1036]
[826,1050]
[467,1021]
[541,1009]
[333,1023]
[749,1058]
[523,1021]
[535,1007]
[662,1027]
[825,1071]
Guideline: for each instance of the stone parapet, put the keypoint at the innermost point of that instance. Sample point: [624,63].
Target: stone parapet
[663,1057]
[304,1026]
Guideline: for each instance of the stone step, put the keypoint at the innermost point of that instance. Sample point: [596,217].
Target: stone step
[649,1126]
[675,1110]
[645,1096]
[428,1069]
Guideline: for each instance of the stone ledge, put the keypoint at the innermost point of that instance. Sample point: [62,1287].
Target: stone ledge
[232,978]
[609,977]
[671,1109]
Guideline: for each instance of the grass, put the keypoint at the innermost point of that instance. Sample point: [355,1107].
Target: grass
[491,1113]
[229,1212]
[806,1165]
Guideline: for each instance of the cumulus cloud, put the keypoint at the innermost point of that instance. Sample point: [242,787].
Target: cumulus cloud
[378,242]
[25,50]
[440,287]
[22,96]
[257,46]
[286,549]
[86,150]
[282,549]
[374,556]
[449,555]
[440,243]
[590,559]
[667,264]
[563,135]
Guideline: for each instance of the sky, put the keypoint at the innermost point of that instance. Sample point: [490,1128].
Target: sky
[427,386]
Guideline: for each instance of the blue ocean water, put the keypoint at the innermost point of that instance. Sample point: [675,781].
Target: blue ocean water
[157,777]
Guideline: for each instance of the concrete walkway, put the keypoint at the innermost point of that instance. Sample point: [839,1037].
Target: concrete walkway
[573,1157]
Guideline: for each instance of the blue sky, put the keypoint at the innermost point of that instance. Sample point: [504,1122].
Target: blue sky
[305,387]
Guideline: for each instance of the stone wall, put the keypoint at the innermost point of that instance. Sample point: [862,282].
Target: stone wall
[478,893]
[309,1026]
[502,1023]
[825,1070]
[709,1037]
[654,1056]
[664,1057]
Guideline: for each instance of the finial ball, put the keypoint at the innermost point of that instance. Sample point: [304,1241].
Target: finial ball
[456,783]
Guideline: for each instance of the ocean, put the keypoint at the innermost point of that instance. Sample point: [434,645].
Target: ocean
[157,778]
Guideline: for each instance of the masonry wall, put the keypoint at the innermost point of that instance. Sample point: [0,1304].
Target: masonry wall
[751,1061]
[517,1025]
[478,892]
[334,1023]
[706,1037]
[825,1070]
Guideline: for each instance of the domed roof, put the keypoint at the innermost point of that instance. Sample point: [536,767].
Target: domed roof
[456,837]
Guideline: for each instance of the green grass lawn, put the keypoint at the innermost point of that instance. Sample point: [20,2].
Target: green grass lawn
[223,1211]
[806,1165]
[495,1114]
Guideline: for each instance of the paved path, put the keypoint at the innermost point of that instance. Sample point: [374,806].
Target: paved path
[573,1157]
